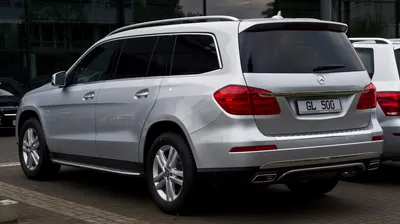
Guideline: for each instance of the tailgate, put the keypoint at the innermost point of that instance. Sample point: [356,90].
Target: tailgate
[313,71]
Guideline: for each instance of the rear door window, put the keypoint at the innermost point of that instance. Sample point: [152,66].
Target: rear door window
[297,51]
[367,57]
[135,57]
[160,64]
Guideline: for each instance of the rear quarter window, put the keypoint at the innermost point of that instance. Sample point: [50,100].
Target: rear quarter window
[367,57]
[296,51]
[397,55]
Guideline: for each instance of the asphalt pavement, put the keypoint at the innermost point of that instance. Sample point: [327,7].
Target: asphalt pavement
[82,196]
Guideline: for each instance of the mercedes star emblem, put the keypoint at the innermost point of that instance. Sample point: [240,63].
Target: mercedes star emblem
[321,79]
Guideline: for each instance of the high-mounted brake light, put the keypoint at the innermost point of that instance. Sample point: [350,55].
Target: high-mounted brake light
[242,100]
[389,103]
[368,98]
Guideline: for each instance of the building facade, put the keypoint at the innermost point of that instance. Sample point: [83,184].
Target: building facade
[40,37]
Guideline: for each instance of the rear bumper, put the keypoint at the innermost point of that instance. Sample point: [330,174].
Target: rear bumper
[212,144]
[256,175]
[391,146]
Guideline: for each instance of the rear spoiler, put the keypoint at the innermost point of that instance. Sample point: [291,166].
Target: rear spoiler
[291,24]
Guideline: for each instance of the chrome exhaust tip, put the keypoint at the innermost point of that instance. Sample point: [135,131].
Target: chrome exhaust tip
[374,165]
[264,178]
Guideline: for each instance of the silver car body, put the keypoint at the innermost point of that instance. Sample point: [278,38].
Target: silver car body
[110,120]
[386,78]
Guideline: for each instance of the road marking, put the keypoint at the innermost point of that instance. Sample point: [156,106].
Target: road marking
[9,164]
[64,207]
[8,202]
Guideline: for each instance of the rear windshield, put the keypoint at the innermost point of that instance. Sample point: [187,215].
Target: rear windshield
[297,51]
[367,57]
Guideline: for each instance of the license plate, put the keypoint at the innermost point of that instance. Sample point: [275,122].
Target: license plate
[319,106]
[13,122]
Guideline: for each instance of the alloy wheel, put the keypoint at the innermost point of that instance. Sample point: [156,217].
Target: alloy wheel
[30,149]
[168,173]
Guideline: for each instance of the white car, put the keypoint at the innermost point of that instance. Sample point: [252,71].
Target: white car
[381,58]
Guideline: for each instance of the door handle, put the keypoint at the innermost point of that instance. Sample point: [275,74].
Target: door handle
[142,94]
[88,96]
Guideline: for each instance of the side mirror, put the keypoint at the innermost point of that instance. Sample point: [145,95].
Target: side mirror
[59,79]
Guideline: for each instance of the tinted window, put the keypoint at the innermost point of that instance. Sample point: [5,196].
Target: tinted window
[135,57]
[194,54]
[161,60]
[296,51]
[367,57]
[97,65]
[397,55]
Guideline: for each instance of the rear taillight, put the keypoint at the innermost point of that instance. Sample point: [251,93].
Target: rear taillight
[368,98]
[389,103]
[242,100]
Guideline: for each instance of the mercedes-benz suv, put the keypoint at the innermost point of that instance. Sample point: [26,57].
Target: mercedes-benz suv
[268,100]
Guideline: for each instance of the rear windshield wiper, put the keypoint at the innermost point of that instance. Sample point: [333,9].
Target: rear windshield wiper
[328,67]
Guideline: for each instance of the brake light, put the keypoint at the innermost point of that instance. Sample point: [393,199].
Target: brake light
[368,98]
[389,103]
[242,100]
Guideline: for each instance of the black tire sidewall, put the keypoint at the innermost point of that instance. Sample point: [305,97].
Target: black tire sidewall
[42,150]
[185,197]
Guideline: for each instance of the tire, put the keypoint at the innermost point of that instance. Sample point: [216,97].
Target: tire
[42,168]
[313,188]
[185,193]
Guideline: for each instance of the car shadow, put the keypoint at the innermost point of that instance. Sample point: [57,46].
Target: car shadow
[234,202]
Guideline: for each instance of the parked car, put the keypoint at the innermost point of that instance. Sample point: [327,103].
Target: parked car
[261,101]
[10,96]
[381,58]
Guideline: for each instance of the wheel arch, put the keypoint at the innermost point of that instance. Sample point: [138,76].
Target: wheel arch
[25,115]
[154,129]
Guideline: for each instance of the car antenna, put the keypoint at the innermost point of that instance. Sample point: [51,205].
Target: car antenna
[277,16]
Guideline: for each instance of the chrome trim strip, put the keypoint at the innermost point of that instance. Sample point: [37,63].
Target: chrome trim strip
[9,115]
[316,93]
[322,168]
[92,167]
[320,160]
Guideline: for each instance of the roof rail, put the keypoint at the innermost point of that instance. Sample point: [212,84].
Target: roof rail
[377,40]
[171,21]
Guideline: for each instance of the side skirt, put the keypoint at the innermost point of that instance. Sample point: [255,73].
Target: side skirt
[99,164]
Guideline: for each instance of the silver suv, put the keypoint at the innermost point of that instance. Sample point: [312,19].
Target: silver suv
[209,98]
[381,58]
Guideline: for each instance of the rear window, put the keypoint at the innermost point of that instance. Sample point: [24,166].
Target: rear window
[297,51]
[367,57]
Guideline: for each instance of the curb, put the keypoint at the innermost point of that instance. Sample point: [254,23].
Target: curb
[8,211]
